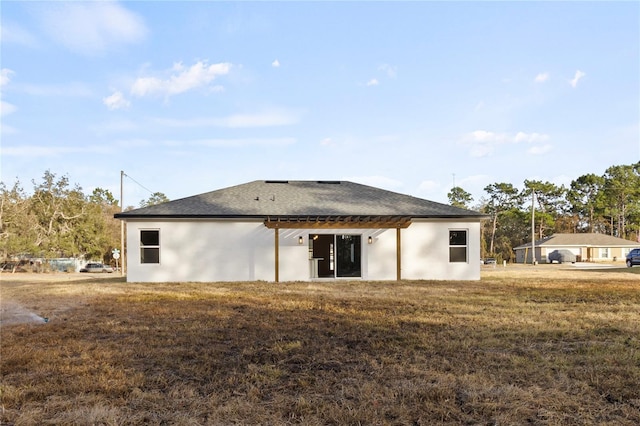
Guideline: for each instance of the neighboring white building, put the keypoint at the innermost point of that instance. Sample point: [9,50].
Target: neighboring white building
[586,247]
[301,231]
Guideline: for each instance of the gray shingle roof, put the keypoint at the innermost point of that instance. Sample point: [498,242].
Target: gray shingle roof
[581,240]
[260,199]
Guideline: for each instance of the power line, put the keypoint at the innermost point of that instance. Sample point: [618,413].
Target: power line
[139,184]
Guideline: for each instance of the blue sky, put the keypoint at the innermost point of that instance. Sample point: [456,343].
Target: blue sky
[189,97]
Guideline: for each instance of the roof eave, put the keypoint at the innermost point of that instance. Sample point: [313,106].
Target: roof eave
[126,216]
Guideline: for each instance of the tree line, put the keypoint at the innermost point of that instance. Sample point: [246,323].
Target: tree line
[58,220]
[605,204]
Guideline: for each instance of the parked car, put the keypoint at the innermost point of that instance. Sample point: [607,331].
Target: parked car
[490,261]
[633,258]
[96,267]
[561,256]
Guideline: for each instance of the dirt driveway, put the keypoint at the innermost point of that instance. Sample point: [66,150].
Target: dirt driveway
[36,298]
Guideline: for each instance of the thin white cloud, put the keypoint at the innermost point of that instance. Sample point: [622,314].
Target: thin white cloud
[115,126]
[6,108]
[133,143]
[91,27]
[269,119]
[116,101]
[530,137]
[235,143]
[540,149]
[180,79]
[5,76]
[390,70]
[8,130]
[63,90]
[487,136]
[327,142]
[11,33]
[275,63]
[51,151]
[483,143]
[542,77]
[481,150]
[576,78]
[272,118]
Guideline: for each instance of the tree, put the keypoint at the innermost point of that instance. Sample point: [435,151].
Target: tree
[155,198]
[586,200]
[622,195]
[103,197]
[16,222]
[458,197]
[515,228]
[57,209]
[551,201]
[103,206]
[502,197]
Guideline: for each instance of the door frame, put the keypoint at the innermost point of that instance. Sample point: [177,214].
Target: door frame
[331,256]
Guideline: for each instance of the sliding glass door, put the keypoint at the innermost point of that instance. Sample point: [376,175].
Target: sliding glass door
[348,251]
[336,255]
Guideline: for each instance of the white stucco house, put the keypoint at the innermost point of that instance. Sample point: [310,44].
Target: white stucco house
[301,231]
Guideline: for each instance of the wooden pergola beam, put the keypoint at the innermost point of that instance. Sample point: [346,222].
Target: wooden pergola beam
[354,222]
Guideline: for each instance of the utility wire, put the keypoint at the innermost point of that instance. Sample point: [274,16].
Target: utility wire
[139,184]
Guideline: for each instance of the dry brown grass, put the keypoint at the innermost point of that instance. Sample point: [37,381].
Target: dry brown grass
[546,346]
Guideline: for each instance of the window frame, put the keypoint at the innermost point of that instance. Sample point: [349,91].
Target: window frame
[154,247]
[454,248]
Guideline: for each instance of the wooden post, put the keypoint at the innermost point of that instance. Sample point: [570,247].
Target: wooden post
[277,248]
[533,227]
[398,255]
[122,252]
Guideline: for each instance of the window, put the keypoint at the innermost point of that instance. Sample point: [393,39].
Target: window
[457,246]
[604,253]
[149,246]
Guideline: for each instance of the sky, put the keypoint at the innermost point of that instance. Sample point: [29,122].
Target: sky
[413,97]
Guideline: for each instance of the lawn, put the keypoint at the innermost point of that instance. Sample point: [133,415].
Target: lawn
[544,345]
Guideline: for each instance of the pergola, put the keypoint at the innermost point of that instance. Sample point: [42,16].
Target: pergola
[336,222]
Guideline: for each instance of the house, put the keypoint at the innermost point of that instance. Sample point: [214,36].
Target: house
[301,231]
[586,247]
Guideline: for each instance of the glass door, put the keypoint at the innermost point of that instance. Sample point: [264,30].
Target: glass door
[335,255]
[348,256]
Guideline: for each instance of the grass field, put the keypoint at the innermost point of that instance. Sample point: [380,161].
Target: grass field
[543,345]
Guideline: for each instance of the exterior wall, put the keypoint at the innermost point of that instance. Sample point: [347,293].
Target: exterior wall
[586,254]
[614,254]
[203,251]
[425,251]
[523,255]
[381,260]
[226,250]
